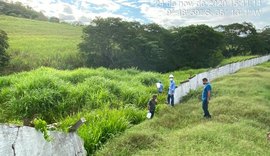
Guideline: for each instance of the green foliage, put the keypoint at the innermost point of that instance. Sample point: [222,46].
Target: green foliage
[243,39]
[41,126]
[240,111]
[18,10]
[51,93]
[197,46]
[103,124]
[4,58]
[38,43]
[114,43]
[119,44]
[110,100]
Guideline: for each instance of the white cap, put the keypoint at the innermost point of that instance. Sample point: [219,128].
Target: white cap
[171,76]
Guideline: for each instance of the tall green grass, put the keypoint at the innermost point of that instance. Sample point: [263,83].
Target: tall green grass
[240,108]
[110,100]
[52,93]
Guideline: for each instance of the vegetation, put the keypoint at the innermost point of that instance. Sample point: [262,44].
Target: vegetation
[37,43]
[236,59]
[240,109]
[243,39]
[4,58]
[110,100]
[18,10]
[114,43]
[41,125]
[114,100]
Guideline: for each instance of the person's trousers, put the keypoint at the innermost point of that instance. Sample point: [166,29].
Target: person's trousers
[152,113]
[170,99]
[205,109]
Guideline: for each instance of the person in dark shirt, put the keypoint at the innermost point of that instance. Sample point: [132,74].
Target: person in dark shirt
[206,97]
[152,105]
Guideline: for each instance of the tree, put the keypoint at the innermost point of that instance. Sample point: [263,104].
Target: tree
[54,20]
[114,43]
[197,46]
[264,41]
[237,37]
[18,10]
[4,57]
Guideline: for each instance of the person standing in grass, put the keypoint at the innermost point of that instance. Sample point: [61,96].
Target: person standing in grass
[170,98]
[152,105]
[206,97]
[159,87]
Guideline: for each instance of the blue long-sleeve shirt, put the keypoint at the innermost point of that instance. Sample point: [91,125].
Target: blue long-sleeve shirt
[172,87]
[160,89]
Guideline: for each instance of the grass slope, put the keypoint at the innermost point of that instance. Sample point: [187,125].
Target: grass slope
[110,100]
[38,43]
[236,59]
[240,108]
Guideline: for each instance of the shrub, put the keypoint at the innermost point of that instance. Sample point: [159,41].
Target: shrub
[4,58]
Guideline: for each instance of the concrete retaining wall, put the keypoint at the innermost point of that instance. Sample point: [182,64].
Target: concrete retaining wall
[195,82]
[26,141]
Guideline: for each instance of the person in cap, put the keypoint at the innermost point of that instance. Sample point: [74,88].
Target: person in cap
[170,98]
[206,97]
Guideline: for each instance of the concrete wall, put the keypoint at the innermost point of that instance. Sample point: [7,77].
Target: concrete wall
[195,82]
[26,141]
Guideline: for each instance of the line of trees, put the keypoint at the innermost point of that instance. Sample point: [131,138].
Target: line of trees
[18,10]
[114,43]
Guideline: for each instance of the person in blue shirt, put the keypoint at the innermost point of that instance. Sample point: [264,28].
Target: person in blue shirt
[160,87]
[170,98]
[206,97]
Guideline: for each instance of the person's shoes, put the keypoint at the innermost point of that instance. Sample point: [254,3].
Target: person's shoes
[207,117]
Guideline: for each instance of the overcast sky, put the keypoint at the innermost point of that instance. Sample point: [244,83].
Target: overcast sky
[164,12]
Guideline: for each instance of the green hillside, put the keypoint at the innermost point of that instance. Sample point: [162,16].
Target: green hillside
[240,108]
[110,100]
[40,43]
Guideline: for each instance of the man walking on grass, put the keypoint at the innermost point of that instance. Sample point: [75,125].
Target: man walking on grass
[206,97]
[170,98]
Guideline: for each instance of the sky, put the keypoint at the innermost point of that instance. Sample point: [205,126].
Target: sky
[163,12]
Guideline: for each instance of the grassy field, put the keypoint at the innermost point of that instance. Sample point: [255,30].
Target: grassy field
[240,108]
[110,100]
[236,59]
[38,43]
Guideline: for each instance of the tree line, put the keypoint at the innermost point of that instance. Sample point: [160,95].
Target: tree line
[115,43]
[17,9]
